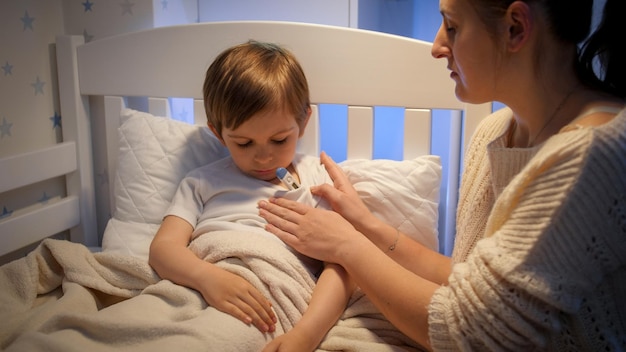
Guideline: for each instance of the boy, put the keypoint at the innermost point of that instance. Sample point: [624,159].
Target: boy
[257,104]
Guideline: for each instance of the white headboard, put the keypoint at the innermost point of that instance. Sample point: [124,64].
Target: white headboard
[359,68]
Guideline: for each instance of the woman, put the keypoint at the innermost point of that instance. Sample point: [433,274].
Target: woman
[540,253]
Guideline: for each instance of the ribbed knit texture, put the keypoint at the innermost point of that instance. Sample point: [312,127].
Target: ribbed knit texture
[547,271]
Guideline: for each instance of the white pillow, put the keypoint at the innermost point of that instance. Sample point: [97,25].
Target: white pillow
[156,153]
[405,194]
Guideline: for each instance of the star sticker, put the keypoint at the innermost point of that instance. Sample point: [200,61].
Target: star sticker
[45,198]
[38,85]
[28,21]
[87,5]
[5,128]
[88,37]
[8,69]
[5,212]
[56,120]
[127,7]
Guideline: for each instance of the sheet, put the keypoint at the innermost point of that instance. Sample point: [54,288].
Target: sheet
[62,297]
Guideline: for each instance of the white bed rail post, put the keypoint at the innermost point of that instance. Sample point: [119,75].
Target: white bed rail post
[474,113]
[310,141]
[462,127]
[77,128]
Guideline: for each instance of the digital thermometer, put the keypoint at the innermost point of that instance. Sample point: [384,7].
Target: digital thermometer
[286,178]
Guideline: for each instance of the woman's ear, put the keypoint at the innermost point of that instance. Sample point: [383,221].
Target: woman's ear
[519,22]
[216,133]
[305,122]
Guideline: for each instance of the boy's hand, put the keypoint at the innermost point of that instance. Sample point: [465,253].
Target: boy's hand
[294,340]
[234,295]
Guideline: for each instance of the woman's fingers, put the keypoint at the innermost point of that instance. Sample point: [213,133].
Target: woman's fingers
[334,171]
[283,211]
[281,221]
[293,206]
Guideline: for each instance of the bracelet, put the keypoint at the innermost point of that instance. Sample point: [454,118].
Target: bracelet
[395,243]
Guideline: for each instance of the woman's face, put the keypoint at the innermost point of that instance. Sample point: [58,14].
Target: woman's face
[263,143]
[464,41]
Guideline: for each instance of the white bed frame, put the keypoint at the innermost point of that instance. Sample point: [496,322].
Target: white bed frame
[359,68]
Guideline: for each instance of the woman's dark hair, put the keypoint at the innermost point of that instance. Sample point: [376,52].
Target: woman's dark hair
[601,61]
[607,47]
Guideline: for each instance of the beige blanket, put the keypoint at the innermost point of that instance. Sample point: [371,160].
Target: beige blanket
[62,297]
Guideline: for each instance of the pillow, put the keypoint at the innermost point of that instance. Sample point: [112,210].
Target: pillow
[405,194]
[155,153]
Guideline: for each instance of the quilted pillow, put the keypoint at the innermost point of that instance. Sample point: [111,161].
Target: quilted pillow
[156,153]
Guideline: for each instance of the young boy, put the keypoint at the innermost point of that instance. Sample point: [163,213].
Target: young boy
[257,104]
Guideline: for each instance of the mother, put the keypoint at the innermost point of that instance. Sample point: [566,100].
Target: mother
[540,252]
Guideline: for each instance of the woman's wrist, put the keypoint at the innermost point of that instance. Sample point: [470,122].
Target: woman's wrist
[394,244]
[369,225]
[383,235]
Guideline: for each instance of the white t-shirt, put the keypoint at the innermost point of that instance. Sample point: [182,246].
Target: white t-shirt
[218,196]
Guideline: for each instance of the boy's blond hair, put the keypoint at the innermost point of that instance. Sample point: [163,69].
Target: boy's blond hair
[251,77]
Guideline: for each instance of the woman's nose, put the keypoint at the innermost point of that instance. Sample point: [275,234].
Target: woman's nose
[439,50]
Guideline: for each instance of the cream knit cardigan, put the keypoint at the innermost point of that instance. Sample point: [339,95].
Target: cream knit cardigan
[540,255]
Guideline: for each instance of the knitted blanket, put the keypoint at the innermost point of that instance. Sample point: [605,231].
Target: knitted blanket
[62,297]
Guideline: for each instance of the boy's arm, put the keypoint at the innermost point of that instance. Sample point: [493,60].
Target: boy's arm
[171,259]
[330,297]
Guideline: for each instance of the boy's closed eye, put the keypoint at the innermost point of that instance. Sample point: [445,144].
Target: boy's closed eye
[250,143]
[280,141]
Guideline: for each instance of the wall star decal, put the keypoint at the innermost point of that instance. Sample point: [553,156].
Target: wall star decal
[38,85]
[5,128]
[87,5]
[8,69]
[127,7]
[56,120]
[28,21]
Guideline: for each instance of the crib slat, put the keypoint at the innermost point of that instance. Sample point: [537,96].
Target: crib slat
[77,127]
[32,226]
[112,107]
[199,116]
[310,142]
[417,129]
[159,106]
[32,167]
[360,132]
[450,185]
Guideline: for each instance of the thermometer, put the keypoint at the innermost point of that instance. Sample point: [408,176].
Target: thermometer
[287,179]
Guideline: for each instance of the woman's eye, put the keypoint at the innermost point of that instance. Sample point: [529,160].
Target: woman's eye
[447,26]
[244,145]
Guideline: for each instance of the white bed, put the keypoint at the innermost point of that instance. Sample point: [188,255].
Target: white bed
[98,81]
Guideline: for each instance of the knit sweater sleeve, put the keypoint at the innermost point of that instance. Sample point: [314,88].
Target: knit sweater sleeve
[555,235]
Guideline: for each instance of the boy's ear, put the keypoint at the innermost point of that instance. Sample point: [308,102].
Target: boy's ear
[519,22]
[305,122]
[214,130]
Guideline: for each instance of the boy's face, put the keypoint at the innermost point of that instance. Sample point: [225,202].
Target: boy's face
[263,143]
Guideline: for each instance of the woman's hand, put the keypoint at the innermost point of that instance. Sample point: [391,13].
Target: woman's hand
[314,232]
[343,198]
[232,294]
